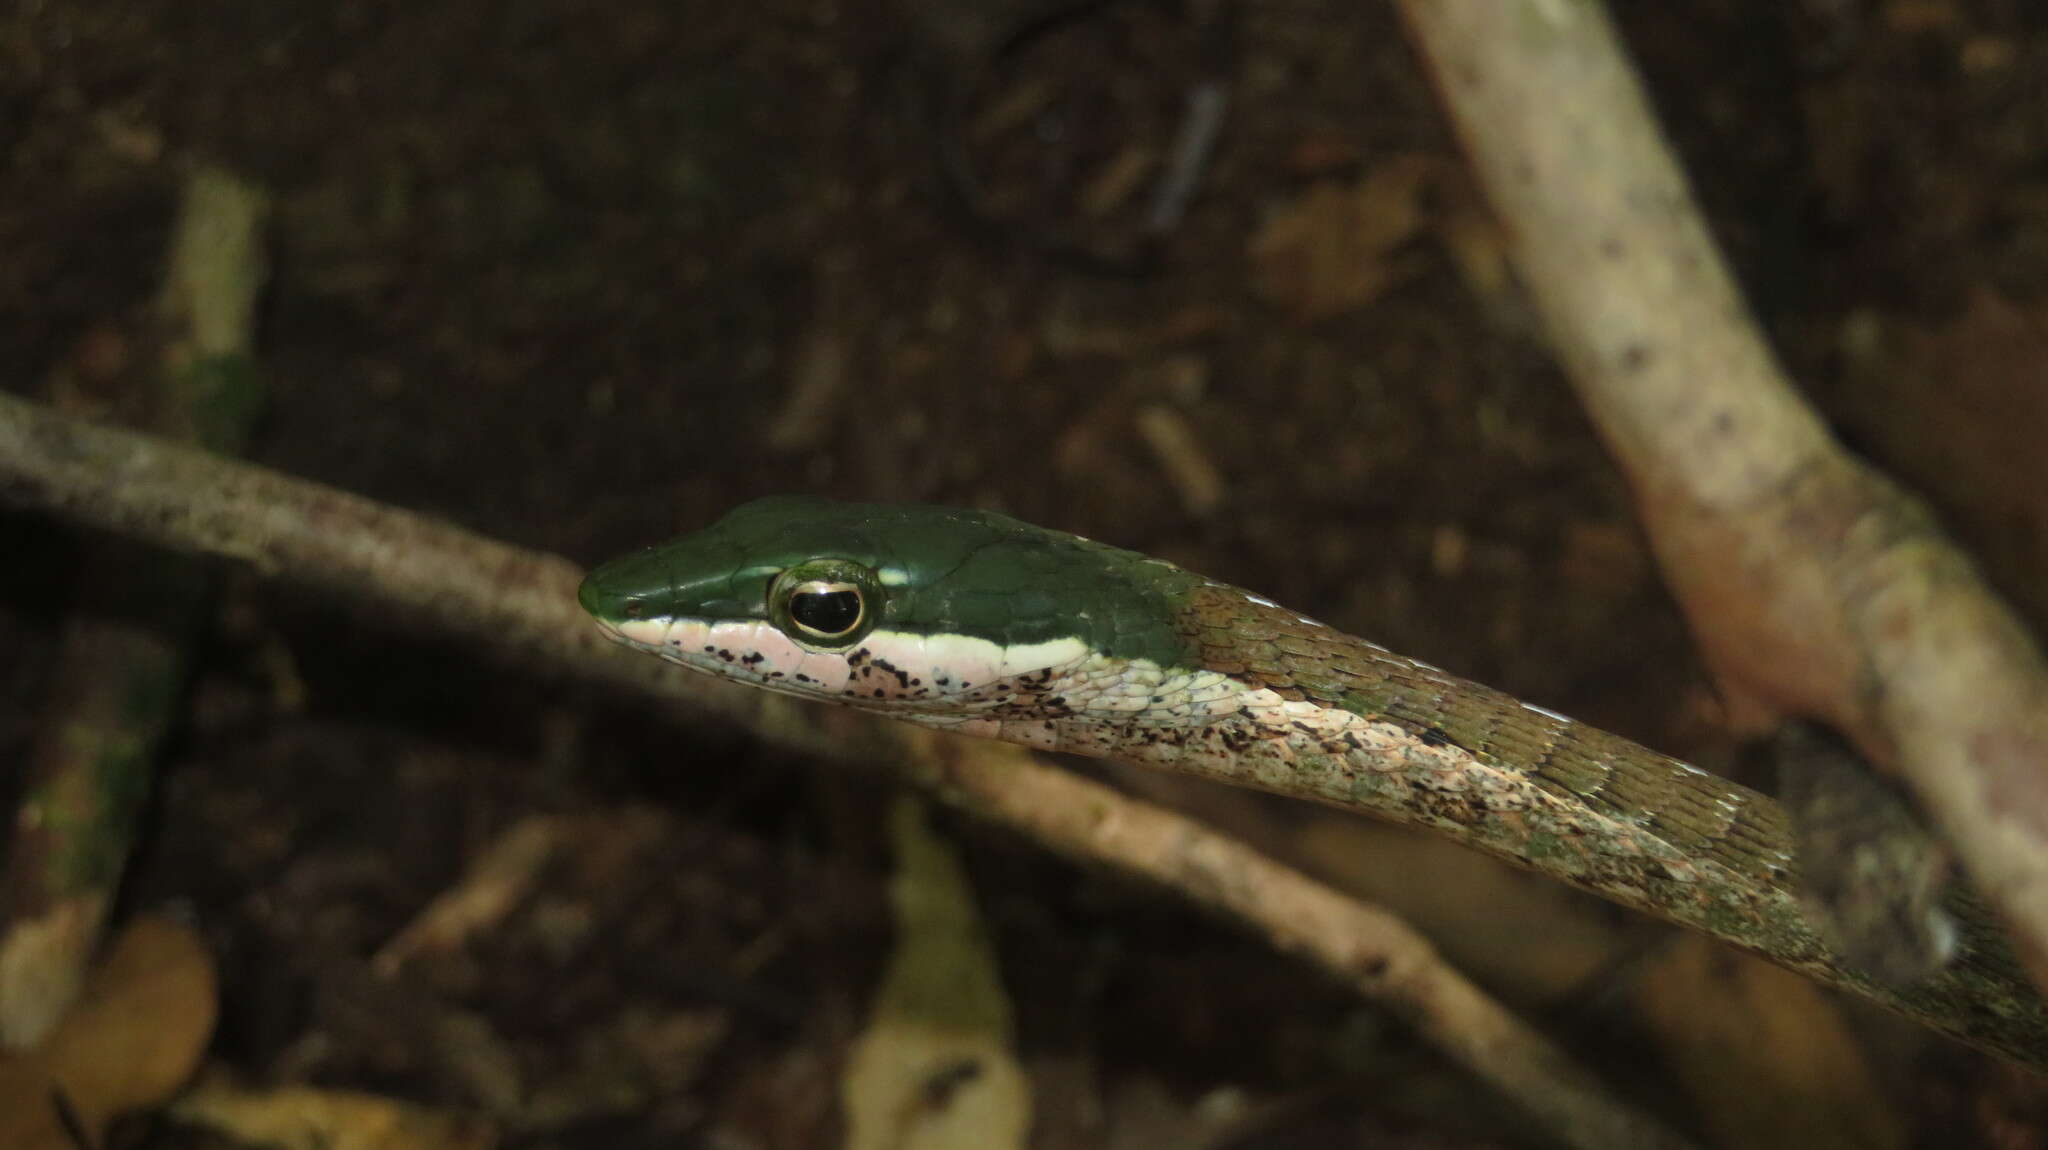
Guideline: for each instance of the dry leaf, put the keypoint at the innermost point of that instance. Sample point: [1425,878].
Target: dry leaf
[934,1070]
[306,1118]
[1763,1052]
[1336,249]
[132,1039]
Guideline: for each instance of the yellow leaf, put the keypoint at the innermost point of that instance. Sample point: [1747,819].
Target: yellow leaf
[934,1069]
[132,1039]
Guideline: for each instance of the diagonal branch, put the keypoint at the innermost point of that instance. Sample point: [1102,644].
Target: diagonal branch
[1816,586]
[521,605]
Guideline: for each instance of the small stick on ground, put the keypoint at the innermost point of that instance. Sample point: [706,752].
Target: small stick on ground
[496,881]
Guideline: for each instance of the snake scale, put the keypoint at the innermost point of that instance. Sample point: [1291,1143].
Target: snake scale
[978,623]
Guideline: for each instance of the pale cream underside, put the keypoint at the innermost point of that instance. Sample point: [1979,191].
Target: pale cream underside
[1056,695]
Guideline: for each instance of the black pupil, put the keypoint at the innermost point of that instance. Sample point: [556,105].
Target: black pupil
[826,612]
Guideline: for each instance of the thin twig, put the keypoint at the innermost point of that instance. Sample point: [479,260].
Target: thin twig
[522,606]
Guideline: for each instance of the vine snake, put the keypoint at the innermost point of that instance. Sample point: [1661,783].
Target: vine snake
[978,623]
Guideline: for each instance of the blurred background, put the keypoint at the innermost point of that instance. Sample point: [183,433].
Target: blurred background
[584,276]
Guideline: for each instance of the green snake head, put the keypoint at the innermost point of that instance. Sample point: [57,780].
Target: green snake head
[924,611]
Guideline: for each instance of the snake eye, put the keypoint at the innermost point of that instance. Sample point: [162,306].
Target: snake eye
[826,610]
[825,604]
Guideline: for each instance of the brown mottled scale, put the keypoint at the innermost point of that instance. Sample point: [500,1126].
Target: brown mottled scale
[1703,815]
[1594,809]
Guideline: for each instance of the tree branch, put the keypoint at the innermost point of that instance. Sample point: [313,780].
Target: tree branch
[522,606]
[1815,585]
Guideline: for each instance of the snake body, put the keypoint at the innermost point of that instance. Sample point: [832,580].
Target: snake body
[982,624]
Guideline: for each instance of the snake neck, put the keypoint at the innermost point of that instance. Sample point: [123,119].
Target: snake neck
[1275,700]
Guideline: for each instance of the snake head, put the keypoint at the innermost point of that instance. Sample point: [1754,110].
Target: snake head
[904,608]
